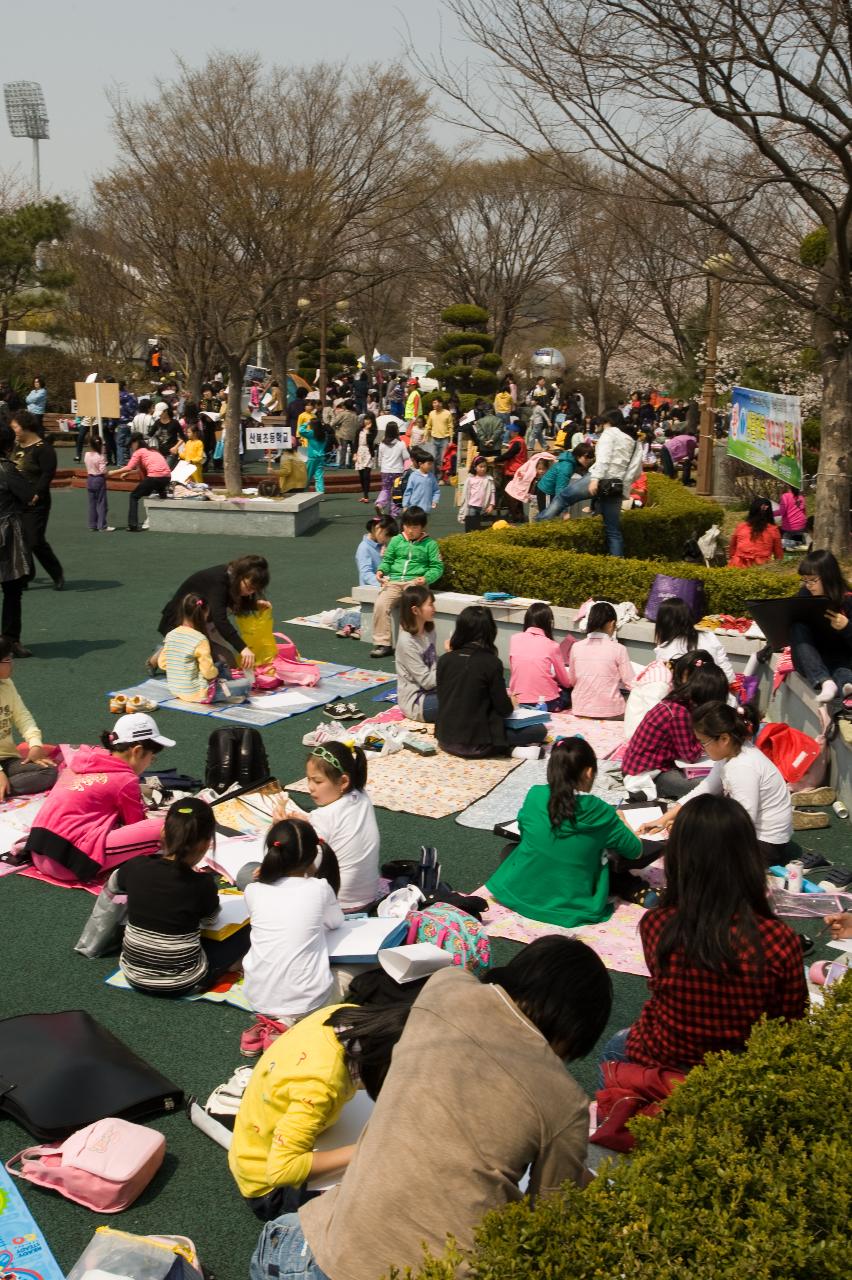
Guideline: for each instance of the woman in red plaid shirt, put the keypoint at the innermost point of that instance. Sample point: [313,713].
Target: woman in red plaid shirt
[718,956]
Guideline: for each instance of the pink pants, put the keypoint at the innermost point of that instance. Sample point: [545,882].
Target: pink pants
[122,843]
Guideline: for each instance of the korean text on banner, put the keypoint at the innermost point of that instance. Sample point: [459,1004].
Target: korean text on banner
[268,438]
[766,432]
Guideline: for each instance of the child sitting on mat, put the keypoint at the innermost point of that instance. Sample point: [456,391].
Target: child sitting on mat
[94,817]
[415,658]
[718,956]
[599,667]
[665,734]
[535,660]
[558,872]
[191,673]
[19,775]
[344,818]
[163,952]
[291,905]
[297,1091]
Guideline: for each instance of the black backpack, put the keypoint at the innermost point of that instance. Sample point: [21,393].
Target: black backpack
[235,754]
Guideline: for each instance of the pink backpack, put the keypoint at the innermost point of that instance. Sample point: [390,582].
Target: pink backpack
[289,667]
[103,1167]
[453,931]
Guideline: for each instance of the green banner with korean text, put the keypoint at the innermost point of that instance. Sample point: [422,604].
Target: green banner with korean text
[766,432]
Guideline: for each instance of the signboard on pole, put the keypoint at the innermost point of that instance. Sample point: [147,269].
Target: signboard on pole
[269,435]
[766,432]
[97,399]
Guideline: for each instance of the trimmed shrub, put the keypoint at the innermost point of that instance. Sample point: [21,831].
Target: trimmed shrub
[564,562]
[740,1178]
[481,341]
[491,360]
[466,315]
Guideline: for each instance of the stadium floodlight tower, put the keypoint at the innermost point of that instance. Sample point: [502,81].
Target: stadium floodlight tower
[27,115]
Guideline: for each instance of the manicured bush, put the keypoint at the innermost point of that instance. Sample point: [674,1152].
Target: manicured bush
[744,1176]
[564,562]
[466,315]
[491,360]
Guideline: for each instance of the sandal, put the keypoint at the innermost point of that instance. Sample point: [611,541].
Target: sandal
[118,704]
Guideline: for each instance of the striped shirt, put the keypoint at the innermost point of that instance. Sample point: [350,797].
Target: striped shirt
[162,961]
[188,664]
[166,905]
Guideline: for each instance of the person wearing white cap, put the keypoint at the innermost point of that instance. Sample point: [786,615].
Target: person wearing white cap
[94,818]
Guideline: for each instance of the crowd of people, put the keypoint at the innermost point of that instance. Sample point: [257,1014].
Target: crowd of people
[719,958]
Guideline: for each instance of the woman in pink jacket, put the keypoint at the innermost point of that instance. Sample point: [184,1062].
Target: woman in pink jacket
[535,660]
[599,667]
[94,817]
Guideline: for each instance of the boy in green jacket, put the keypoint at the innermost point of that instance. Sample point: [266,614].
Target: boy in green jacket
[412,556]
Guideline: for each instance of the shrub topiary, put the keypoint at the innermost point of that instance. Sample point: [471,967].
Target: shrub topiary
[740,1178]
[564,562]
[491,360]
[465,315]
[448,341]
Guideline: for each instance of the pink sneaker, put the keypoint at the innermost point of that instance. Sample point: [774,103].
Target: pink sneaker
[260,1036]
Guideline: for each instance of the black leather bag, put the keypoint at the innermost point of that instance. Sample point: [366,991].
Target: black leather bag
[62,1071]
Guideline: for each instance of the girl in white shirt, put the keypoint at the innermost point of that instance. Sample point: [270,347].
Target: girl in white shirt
[742,772]
[675,635]
[393,459]
[344,818]
[287,969]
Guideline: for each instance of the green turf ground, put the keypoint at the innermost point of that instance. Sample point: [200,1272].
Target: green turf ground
[95,637]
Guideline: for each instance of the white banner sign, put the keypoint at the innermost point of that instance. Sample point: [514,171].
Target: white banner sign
[277,437]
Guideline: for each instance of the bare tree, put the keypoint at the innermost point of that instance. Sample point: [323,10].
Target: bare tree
[98,317]
[761,92]
[488,236]
[287,176]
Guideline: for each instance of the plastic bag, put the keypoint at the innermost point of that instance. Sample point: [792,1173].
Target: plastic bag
[257,632]
[794,755]
[663,588]
[118,1253]
[102,931]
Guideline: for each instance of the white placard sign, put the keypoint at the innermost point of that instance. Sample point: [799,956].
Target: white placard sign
[277,437]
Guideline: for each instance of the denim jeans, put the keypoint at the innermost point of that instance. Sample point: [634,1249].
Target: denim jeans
[615,1050]
[438,448]
[429,708]
[610,509]
[816,664]
[283,1252]
[562,500]
[122,444]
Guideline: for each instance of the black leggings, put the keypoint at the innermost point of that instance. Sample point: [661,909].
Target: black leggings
[364,475]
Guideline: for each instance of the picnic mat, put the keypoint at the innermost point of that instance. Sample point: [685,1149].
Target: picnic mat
[616,941]
[503,804]
[228,990]
[337,681]
[604,736]
[428,786]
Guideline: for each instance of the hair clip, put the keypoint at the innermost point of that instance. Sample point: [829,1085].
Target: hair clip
[185,809]
[699,662]
[322,754]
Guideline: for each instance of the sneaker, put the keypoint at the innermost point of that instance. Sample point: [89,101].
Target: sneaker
[527,753]
[251,1041]
[828,692]
[109,528]
[803,821]
[813,859]
[381,651]
[118,704]
[146,525]
[813,798]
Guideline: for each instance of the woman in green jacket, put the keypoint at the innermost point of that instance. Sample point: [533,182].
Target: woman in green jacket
[559,872]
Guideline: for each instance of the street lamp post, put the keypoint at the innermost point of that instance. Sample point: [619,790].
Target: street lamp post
[304,304]
[26,113]
[716,268]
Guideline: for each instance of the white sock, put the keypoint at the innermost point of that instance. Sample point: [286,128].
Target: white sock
[827,692]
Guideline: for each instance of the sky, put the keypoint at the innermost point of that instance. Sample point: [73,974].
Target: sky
[78,51]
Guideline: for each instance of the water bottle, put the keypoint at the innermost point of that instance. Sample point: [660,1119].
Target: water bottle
[541,705]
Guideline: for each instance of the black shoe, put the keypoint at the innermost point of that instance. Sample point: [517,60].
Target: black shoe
[134,528]
[18,650]
[59,584]
[381,651]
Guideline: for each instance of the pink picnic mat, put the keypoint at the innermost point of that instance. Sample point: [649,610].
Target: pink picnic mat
[616,941]
[603,736]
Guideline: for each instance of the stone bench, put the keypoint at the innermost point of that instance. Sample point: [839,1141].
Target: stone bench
[638,637]
[795,704]
[288,517]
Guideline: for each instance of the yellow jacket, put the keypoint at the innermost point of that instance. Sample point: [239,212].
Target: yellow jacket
[13,714]
[298,1089]
[193,451]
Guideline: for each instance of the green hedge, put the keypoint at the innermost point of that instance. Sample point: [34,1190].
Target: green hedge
[741,1177]
[564,562]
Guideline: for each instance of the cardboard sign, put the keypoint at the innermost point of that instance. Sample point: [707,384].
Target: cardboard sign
[97,399]
[269,435]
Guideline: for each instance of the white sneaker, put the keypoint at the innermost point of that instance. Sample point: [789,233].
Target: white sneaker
[147,524]
[828,691]
[527,753]
[110,528]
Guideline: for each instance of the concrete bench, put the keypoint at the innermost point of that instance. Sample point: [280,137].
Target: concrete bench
[638,637]
[795,704]
[288,517]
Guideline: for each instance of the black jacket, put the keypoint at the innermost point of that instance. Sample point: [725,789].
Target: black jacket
[213,587]
[472,700]
[37,463]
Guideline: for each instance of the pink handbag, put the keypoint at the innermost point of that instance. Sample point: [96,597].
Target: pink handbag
[104,1167]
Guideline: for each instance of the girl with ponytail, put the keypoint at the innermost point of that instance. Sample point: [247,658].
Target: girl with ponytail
[558,872]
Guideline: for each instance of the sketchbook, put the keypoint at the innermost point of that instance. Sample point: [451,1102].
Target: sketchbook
[359,941]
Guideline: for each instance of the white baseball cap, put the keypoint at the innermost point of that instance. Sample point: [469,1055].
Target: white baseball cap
[137,727]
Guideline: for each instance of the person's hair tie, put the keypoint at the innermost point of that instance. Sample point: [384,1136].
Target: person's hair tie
[186,809]
[113,736]
[699,662]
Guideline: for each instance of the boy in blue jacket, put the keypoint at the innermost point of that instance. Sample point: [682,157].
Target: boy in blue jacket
[421,489]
